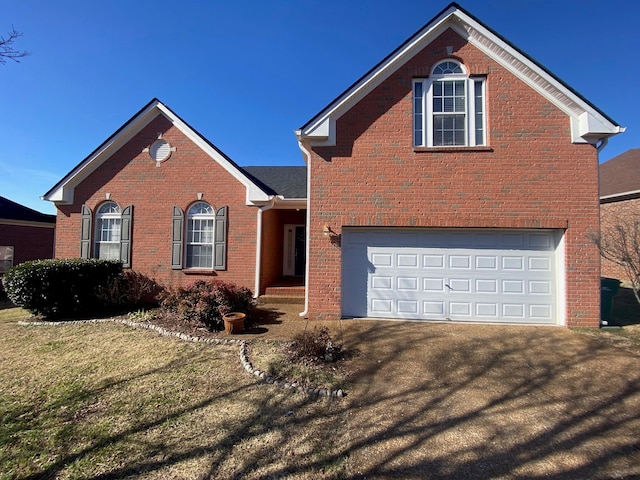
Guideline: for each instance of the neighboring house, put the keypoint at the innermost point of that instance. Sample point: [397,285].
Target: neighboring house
[435,188]
[619,199]
[25,234]
[167,203]
[441,179]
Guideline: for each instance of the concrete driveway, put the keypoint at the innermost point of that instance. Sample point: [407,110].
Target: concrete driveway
[486,401]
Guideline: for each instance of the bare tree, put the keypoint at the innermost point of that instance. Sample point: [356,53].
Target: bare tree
[7,49]
[620,244]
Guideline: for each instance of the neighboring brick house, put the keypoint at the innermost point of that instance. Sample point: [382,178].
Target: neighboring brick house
[619,199]
[25,234]
[435,188]
[169,204]
[440,179]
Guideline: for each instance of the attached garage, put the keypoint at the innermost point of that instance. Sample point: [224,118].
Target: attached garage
[480,275]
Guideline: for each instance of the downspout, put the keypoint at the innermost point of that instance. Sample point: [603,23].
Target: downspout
[269,206]
[603,143]
[307,159]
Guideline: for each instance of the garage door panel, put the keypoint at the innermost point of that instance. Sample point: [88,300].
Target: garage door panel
[497,276]
[408,283]
[435,261]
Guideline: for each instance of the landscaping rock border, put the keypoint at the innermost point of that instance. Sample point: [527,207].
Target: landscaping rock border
[244,356]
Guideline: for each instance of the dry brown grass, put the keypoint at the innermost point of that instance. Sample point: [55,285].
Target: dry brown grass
[104,401]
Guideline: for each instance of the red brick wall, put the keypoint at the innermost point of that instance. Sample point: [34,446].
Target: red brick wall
[29,242]
[533,177]
[132,178]
[617,213]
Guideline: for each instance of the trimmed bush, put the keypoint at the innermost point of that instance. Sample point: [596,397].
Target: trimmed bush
[61,288]
[207,301]
[130,289]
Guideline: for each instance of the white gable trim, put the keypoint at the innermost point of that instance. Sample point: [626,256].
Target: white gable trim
[63,192]
[587,124]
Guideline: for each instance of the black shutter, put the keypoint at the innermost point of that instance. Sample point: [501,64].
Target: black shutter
[125,236]
[220,240]
[85,232]
[176,238]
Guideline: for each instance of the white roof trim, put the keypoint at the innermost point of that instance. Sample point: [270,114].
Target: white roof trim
[587,124]
[621,194]
[63,192]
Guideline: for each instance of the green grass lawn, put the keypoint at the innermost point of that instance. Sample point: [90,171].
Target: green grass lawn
[104,401]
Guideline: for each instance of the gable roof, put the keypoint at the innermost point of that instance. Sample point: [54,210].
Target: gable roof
[588,123]
[13,212]
[62,192]
[620,176]
[288,182]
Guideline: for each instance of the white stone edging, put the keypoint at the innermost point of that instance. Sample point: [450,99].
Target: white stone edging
[244,357]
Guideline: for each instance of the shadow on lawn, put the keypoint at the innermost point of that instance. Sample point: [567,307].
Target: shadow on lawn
[436,401]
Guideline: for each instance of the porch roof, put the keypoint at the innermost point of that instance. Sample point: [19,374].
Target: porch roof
[289,182]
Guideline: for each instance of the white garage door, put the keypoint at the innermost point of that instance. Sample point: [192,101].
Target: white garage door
[464,275]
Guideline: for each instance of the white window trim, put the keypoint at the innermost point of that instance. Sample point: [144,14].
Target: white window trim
[427,113]
[6,255]
[188,243]
[98,228]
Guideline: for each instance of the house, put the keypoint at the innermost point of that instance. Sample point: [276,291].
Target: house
[440,180]
[168,203]
[619,199]
[435,187]
[25,234]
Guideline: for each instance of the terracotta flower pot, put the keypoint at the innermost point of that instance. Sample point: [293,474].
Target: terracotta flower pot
[233,322]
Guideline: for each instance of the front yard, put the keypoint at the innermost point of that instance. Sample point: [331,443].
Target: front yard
[104,401]
[426,400]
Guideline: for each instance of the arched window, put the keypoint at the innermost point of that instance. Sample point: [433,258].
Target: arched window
[107,234]
[448,107]
[201,221]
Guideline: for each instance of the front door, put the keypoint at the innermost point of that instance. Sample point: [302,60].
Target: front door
[294,250]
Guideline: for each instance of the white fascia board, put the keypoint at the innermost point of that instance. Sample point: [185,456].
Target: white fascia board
[283,203]
[64,194]
[322,131]
[587,124]
[621,194]
[253,194]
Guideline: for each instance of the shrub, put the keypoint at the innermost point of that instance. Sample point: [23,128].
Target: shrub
[61,288]
[129,289]
[314,345]
[207,301]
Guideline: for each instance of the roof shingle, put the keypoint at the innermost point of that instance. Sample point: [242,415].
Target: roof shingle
[621,174]
[14,211]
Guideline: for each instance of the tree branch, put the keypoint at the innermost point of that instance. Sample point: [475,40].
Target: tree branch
[7,49]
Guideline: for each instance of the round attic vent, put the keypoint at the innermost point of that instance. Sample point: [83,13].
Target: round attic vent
[160,150]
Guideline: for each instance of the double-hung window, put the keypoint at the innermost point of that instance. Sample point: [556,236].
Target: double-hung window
[201,221]
[201,244]
[449,108]
[108,228]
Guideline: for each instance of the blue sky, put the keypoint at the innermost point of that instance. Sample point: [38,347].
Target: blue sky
[246,74]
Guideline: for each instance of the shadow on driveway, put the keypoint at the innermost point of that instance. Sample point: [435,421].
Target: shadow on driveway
[489,401]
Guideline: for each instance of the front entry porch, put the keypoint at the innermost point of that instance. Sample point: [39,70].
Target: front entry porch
[283,255]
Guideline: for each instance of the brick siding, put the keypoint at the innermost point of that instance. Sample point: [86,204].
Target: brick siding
[531,177]
[29,242]
[617,213]
[132,178]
